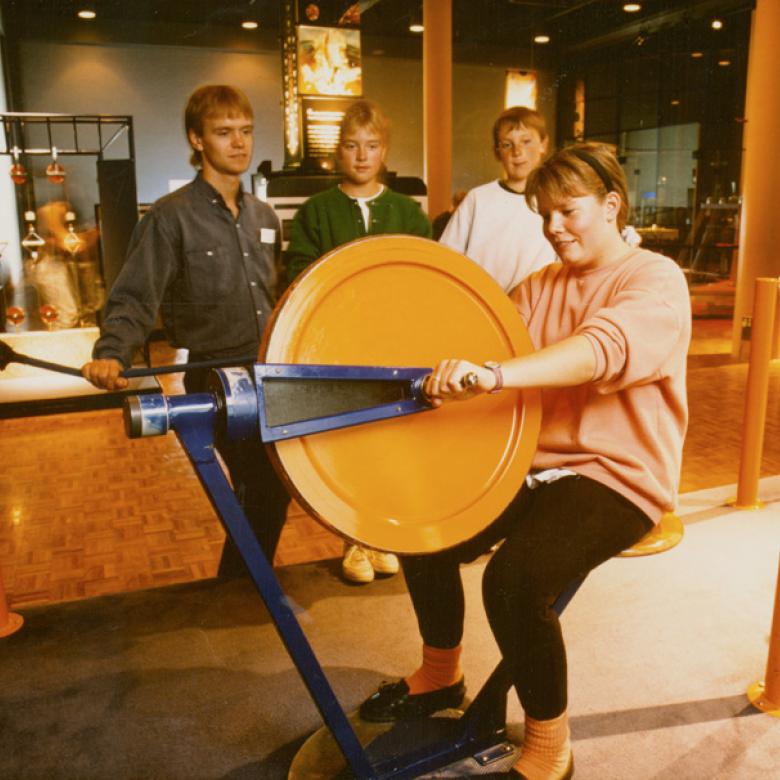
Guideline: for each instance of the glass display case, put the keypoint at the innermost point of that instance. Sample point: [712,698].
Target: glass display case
[73,229]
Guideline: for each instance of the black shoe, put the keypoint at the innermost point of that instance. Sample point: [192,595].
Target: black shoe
[394,702]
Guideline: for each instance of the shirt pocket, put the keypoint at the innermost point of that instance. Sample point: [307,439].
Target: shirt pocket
[208,276]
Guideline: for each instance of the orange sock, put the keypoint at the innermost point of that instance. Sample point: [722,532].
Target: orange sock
[546,749]
[440,669]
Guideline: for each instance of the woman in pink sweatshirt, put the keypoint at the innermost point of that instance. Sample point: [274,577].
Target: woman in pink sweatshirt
[611,325]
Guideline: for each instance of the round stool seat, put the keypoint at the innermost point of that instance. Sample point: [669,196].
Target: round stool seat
[667,534]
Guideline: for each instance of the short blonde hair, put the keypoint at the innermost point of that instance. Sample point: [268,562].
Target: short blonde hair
[365,113]
[577,170]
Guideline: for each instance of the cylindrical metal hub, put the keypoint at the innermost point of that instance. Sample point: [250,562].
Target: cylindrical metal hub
[231,402]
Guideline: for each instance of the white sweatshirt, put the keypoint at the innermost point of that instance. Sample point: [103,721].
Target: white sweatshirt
[494,227]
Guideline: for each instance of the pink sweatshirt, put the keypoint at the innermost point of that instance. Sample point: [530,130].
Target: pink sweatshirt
[624,428]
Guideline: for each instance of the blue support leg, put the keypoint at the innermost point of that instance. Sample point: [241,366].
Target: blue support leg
[199,445]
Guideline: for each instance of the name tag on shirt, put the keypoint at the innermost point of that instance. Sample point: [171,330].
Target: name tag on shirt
[267,236]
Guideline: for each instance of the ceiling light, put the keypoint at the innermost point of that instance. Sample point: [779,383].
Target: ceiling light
[632,8]
[86,13]
[249,25]
[675,102]
[697,55]
[724,63]
[541,39]
[717,24]
[416,28]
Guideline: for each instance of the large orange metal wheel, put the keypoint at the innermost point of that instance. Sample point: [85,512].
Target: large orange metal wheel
[431,480]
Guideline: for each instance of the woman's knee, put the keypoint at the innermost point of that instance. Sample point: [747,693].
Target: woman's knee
[515,592]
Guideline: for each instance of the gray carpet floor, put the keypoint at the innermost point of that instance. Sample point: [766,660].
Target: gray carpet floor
[193,682]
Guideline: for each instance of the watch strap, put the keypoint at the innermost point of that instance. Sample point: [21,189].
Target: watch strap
[498,373]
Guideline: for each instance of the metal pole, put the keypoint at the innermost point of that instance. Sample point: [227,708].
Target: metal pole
[756,393]
[766,695]
[437,100]
[759,229]
[10,622]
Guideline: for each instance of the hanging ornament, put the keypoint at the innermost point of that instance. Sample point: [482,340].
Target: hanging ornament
[15,315]
[54,170]
[72,242]
[32,241]
[49,315]
[18,171]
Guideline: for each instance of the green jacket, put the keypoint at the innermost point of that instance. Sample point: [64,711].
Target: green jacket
[331,218]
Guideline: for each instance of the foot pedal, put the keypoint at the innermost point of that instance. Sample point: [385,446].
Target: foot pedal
[494,753]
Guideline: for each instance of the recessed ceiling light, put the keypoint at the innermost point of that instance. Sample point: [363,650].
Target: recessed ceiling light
[541,39]
[250,25]
[416,28]
[717,24]
[675,102]
[697,55]
[632,8]
[724,63]
[86,13]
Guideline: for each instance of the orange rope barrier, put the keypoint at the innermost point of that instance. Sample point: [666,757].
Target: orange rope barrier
[10,622]
[766,695]
[756,393]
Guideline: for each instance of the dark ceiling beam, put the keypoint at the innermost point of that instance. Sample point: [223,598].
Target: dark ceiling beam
[545,4]
[651,24]
[570,10]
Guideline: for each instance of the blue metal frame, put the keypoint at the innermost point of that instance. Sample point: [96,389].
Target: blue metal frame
[269,371]
[194,419]
[196,434]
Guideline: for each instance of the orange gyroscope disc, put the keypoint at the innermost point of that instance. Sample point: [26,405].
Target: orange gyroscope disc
[431,480]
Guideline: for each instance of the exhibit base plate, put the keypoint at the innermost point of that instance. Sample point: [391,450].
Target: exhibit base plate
[319,758]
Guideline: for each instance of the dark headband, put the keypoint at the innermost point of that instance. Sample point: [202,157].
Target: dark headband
[599,169]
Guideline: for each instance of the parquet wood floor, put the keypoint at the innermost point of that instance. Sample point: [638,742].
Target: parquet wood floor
[84,511]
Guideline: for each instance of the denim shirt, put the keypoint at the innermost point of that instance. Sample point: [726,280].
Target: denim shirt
[212,277]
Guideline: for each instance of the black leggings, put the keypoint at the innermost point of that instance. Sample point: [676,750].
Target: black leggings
[553,534]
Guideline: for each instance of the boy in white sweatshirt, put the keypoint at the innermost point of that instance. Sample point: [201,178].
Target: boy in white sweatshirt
[493,226]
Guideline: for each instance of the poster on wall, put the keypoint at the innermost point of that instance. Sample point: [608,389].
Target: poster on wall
[321,119]
[329,61]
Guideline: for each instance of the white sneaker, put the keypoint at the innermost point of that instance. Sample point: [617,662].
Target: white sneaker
[356,567]
[383,562]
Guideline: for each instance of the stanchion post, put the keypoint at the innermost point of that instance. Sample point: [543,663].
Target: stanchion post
[10,622]
[776,331]
[757,392]
[766,695]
